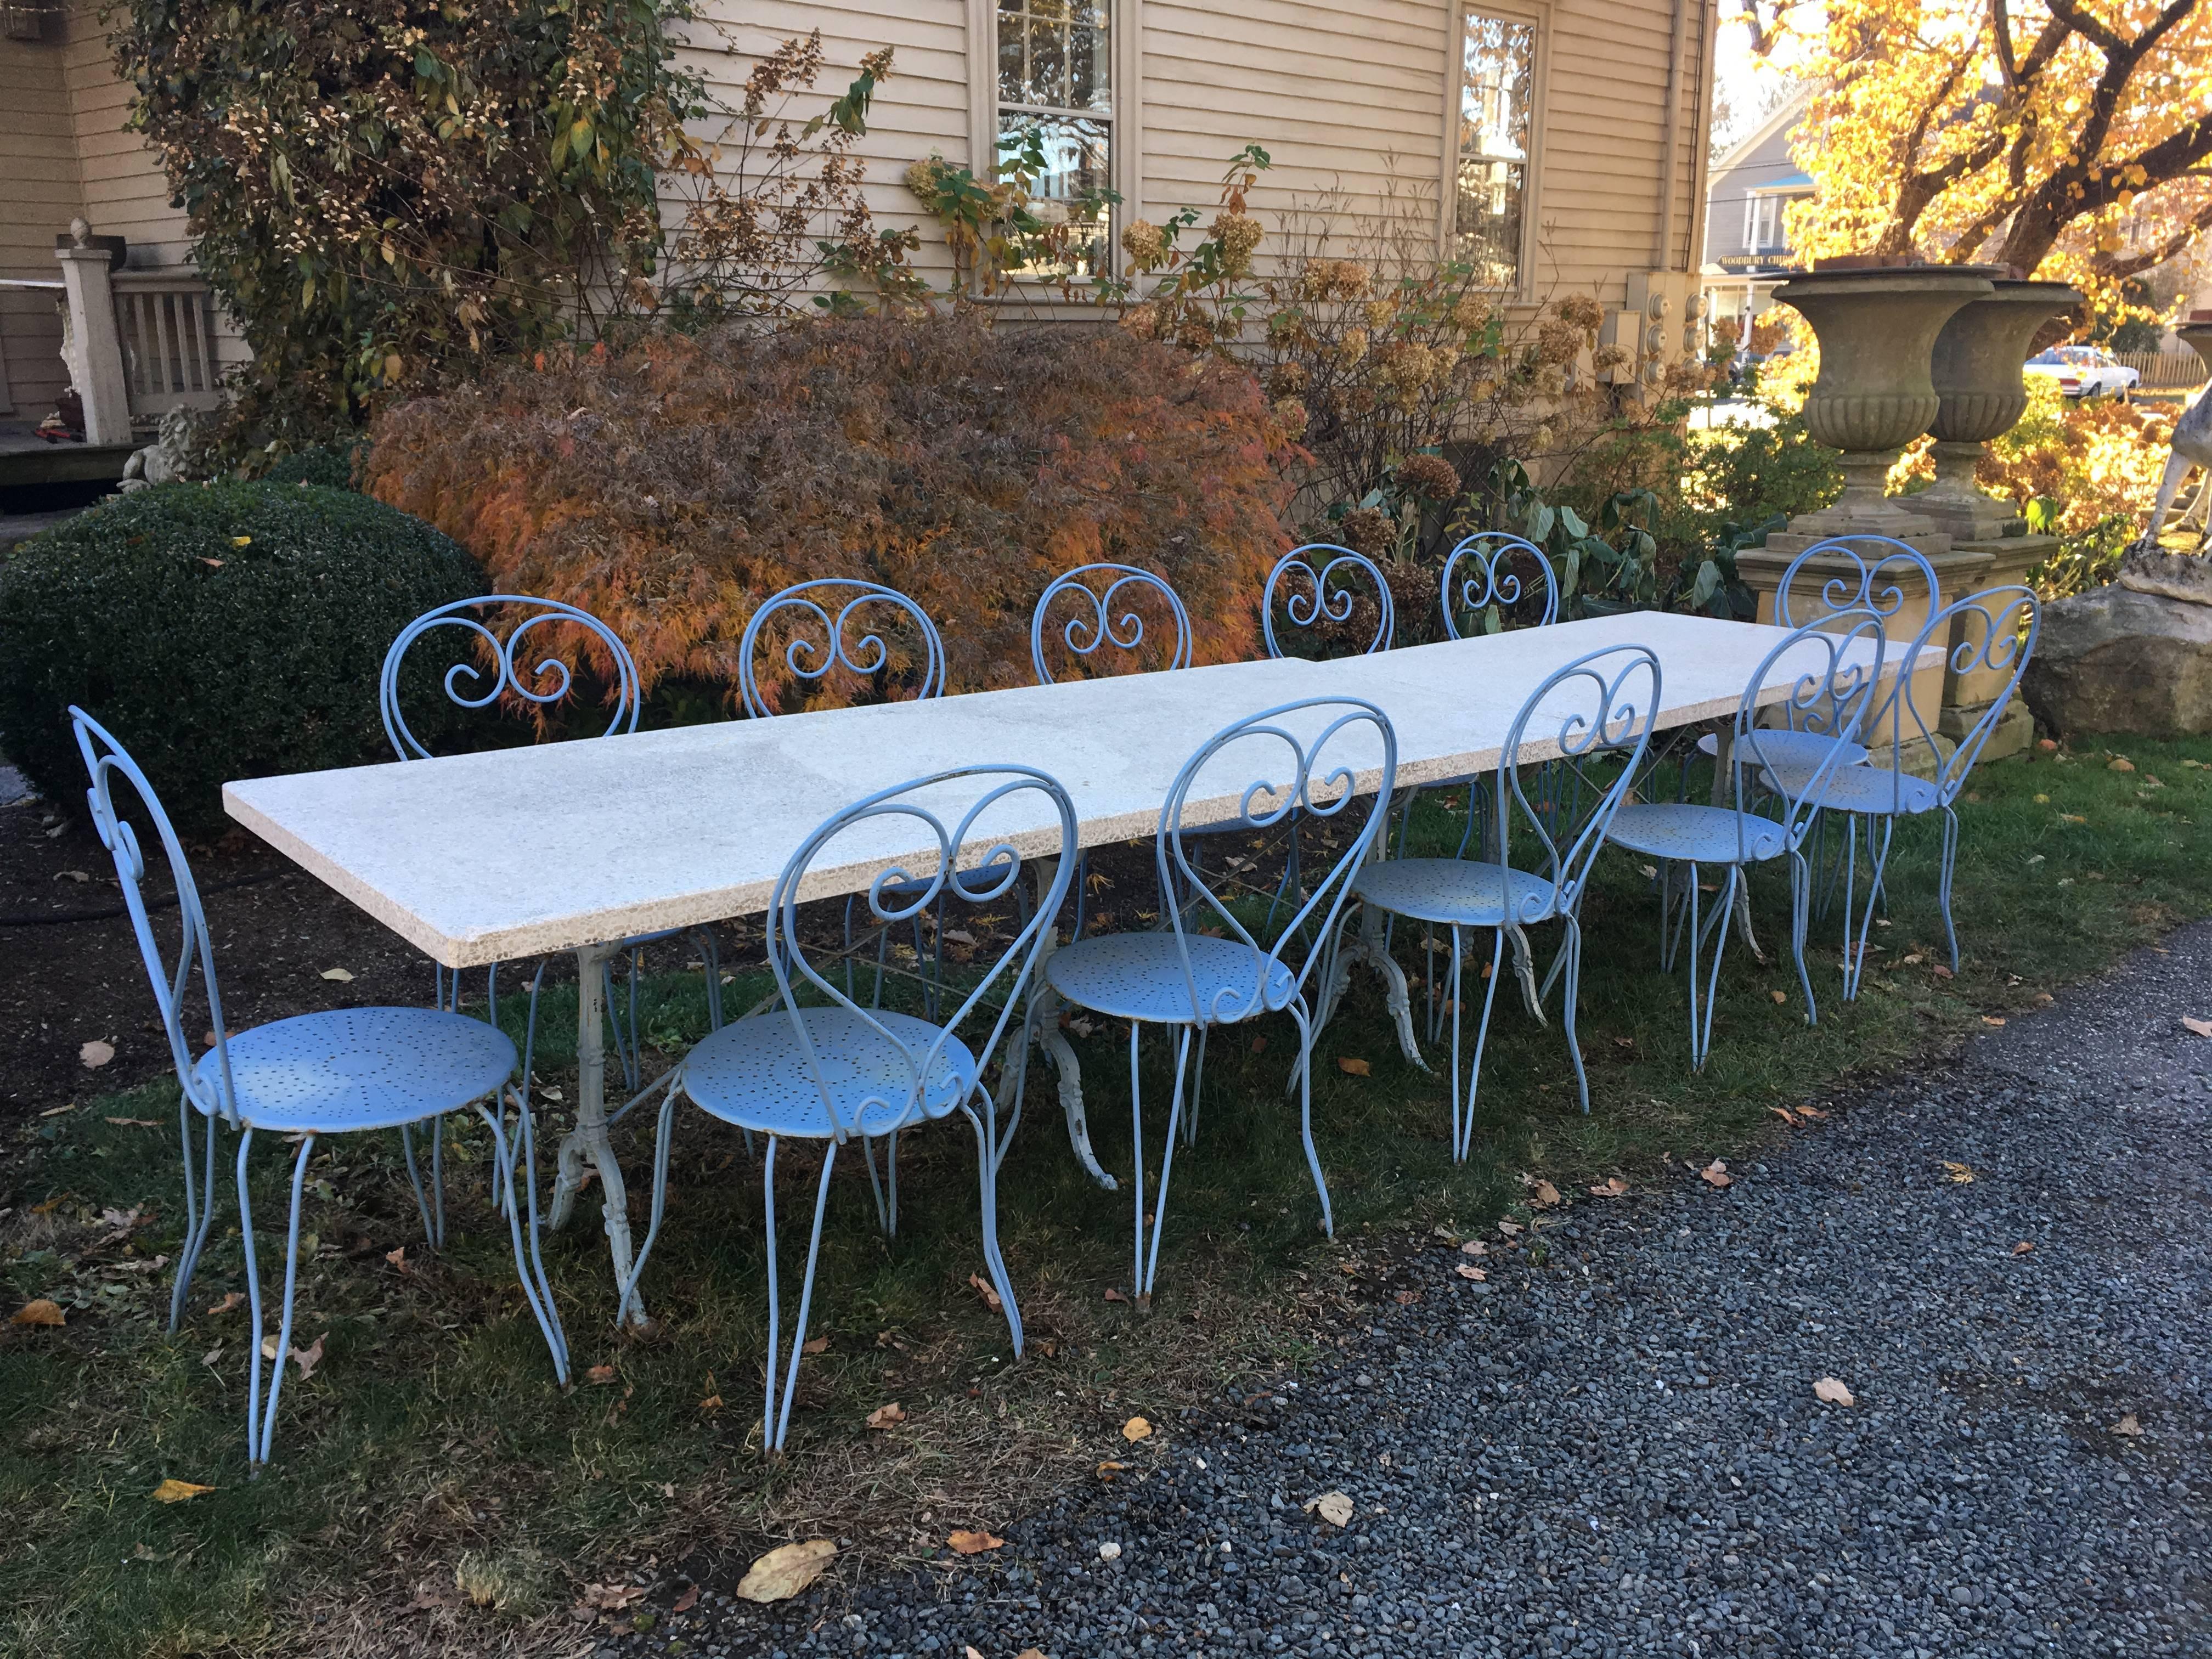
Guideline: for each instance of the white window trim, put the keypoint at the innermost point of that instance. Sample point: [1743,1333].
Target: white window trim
[1781,199]
[1532,189]
[1126,171]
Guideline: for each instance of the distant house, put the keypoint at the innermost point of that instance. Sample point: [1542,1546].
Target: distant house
[1560,145]
[1747,237]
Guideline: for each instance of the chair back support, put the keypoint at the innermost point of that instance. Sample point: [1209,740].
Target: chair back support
[975,863]
[1319,583]
[1092,623]
[1829,674]
[1878,574]
[1310,760]
[815,640]
[1992,633]
[1588,717]
[537,621]
[105,760]
[1483,581]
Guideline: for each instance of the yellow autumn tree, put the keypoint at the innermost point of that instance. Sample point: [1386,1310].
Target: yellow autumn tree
[2068,138]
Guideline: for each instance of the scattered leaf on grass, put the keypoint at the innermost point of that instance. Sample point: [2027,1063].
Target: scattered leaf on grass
[1332,1507]
[609,1598]
[2201,1027]
[1992,1019]
[308,1357]
[1785,1114]
[231,1300]
[1542,1195]
[1475,1273]
[1829,1389]
[1136,1429]
[1352,1068]
[55,1111]
[1109,1469]
[174,1491]
[1715,1174]
[600,1375]
[1810,1111]
[1779,996]
[1615,1187]
[1511,1229]
[339,974]
[96,1054]
[1113,1295]
[135,1122]
[819,1345]
[1941,972]
[887,1417]
[1474,1247]
[2023,1247]
[1958,1174]
[712,1403]
[2128,1426]
[41,1312]
[686,1601]
[2072,817]
[2119,763]
[975,1543]
[786,1571]
[983,1289]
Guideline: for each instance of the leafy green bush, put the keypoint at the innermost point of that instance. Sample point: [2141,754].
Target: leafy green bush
[328,465]
[221,631]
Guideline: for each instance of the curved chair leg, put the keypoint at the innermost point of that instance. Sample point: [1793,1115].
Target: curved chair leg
[1571,953]
[1297,1012]
[1800,928]
[663,1137]
[433,1219]
[1148,1266]
[1855,939]
[987,1169]
[1951,860]
[1711,930]
[775,1422]
[1524,970]
[1463,1118]
[529,1270]
[199,1208]
[1197,1083]
[260,1422]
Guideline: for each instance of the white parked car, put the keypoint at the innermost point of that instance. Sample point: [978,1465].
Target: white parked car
[2085,371]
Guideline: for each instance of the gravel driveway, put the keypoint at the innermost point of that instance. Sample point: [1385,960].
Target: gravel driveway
[1620,1452]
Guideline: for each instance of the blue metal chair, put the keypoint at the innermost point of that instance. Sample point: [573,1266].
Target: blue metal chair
[1828,674]
[1993,630]
[1320,583]
[1603,704]
[815,642]
[1300,757]
[548,684]
[312,1075]
[824,1068]
[1093,623]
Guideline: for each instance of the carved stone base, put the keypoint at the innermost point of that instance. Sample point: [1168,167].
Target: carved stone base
[1956,504]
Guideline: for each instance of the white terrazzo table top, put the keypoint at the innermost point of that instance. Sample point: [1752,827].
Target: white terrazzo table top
[519,851]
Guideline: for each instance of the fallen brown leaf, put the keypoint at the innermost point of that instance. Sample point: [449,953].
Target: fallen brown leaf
[887,1417]
[1543,1195]
[135,1122]
[1475,1273]
[975,1543]
[1113,1295]
[2023,1247]
[686,1601]
[1474,1247]
[1958,1174]
[1136,1429]
[1332,1507]
[96,1054]
[2119,763]
[1991,1019]
[712,1402]
[2128,1426]
[819,1345]
[1785,1114]
[1779,996]
[1829,1389]
[174,1491]
[308,1357]
[1352,1068]
[1715,1174]
[983,1289]
[600,1375]
[611,1598]
[1615,1187]
[339,974]
[2201,1027]
[1511,1229]
[786,1570]
[43,1311]
[1810,1111]
[1109,1469]
[231,1300]
[1941,972]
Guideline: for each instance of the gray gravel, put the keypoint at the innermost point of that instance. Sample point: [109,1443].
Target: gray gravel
[1620,1452]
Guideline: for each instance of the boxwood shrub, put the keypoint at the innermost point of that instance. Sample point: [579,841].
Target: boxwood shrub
[221,631]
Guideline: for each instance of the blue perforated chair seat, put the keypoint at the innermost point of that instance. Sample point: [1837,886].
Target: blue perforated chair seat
[1792,752]
[359,1068]
[1140,976]
[1876,789]
[1460,892]
[1702,834]
[756,1074]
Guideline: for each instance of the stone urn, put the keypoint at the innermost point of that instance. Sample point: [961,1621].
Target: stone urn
[1877,326]
[2197,334]
[1981,394]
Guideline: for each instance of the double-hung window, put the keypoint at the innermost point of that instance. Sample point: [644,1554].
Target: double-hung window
[1055,83]
[1497,96]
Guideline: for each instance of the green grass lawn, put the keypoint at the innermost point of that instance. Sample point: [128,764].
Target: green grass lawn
[433,1490]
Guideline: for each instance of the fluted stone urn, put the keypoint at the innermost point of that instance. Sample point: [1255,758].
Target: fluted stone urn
[1981,394]
[2197,334]
[1877,326]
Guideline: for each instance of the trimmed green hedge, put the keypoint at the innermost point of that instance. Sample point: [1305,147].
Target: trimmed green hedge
[221,631]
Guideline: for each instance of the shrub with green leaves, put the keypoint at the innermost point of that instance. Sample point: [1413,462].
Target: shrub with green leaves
[220,631]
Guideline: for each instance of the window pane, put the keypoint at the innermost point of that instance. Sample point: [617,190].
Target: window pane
[1076,167]
[1496,88]
[1089,70]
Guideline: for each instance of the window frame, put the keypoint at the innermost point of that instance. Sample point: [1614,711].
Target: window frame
[1125,139]
[1539,19]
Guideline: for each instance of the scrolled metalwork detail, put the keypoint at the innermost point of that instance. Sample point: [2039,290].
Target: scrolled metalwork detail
[822,640]
[1488,579]
[1863,586]
[1319,604]
[547,683]
[1095,625]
